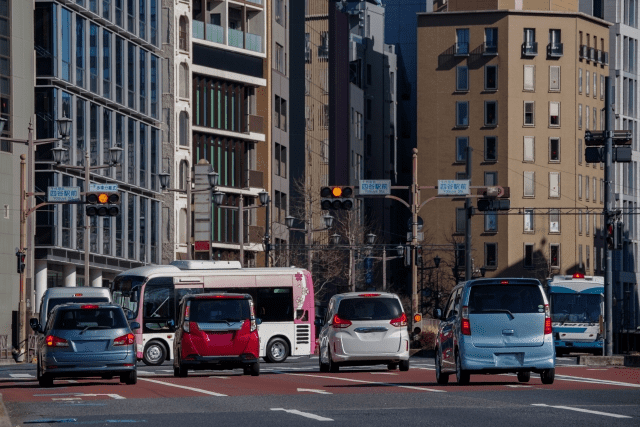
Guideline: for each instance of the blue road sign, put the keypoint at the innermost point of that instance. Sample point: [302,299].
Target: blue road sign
[63,194]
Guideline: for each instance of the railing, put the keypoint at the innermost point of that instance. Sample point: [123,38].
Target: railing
[461,49]
[255,179]
[592,53]
[530,49]
[490,49]
[256,123]
[583,51]
[255,1]
[5,351]
[253,42]
[214,33]
[323,52]
[198,30]
[236,38]
[555,49]
[307,55]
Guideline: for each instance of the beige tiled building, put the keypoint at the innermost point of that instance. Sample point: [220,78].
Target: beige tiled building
[520,87]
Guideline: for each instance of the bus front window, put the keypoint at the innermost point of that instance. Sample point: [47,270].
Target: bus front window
[125,292]
[575,308]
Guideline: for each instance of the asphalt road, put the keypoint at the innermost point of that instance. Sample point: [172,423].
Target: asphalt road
[296,393]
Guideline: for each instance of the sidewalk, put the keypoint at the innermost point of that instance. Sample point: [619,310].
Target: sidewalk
[4,415]
[622,360]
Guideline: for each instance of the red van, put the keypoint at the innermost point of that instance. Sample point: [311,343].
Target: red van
[216,331]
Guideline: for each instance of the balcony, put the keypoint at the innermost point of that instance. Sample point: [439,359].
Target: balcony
[307,55]
[592,53]
[583,52]
[253,42]
[255,179]
[198,30]
[214,33]
[490,49]
[461,49]
[236,38]
[323,52]
[530,49]
[555,50]
[255,124]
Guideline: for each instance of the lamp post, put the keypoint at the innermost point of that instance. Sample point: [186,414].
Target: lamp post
[25,210]
[265,200]
[165,178]
[371,239]
[328,222]
[436,266]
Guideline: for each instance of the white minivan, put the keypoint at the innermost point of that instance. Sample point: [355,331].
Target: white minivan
[57,296]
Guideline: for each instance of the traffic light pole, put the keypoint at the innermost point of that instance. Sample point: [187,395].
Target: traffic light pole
[468,210]
[608,182]
[87,225]
[22,306]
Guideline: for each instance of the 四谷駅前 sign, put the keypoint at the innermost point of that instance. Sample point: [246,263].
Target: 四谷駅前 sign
[453,187]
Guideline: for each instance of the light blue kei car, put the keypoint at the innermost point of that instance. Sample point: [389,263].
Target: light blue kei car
[494,326]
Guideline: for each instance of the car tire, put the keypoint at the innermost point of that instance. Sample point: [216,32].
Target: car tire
[392,366]
[548,375]
[130,378]
[404,365]
[154,354]
[463,377]
[254,369]
[524,377]
[46,380]
[277,351]
[176,372]
[38,373]
[441,378]
[333,366]
[180,371]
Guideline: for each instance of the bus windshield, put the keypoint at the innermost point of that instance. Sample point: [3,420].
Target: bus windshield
[575,308]
[126,293]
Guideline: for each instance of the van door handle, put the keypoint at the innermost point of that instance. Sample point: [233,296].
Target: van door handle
[508,332]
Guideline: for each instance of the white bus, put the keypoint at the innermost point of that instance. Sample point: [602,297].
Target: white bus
[577,309]
[283,297]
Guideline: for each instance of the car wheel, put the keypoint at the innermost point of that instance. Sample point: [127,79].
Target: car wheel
[462,377]
[441,378]
[524,377]
[277,351]
[254,369]
[38,374]
[176,372]
[154,354]
[129,378]
[548,375]
[45,380]
[404,365]
[180,371]
[392,366]
[333,366]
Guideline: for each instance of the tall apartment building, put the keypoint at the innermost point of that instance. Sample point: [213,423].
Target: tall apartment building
[520,87]
[98,63]
[223,110]
[16,106]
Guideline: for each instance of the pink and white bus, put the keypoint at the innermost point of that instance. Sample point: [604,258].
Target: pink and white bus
[283,297]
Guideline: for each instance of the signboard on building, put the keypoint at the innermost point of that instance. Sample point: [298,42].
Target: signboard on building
[63,194]
[375,187]
[103,187]
[453,187]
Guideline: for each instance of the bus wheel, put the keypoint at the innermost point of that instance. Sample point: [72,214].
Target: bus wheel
[277,351]
[154,354]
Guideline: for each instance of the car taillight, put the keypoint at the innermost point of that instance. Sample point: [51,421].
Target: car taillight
[399,321]
[125,340]
[547,320]
[89,307]
[53,341]
[340,323]
[254,325]
[465,326]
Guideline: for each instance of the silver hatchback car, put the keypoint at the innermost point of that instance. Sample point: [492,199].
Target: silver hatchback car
[364,329]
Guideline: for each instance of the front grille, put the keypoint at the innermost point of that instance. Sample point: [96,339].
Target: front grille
[303,333]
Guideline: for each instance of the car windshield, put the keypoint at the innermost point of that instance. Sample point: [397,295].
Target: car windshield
[65,300]
[219,310]
[87,318]
[575,307]
[369,309]
[514,298]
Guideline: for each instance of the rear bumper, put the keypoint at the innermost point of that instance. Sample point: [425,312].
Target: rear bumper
[578,345]
[512,359]
[219,362]
[67,370]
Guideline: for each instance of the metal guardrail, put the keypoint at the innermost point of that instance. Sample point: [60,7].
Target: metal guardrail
[5,350]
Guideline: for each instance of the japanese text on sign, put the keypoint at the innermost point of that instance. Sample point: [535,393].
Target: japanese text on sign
[375,186]
[453,187]
[103,187]
[63,194]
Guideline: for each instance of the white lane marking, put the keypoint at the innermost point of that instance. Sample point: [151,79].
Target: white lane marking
[519,386]
[588,411]
[111,395]
[199,390]
[369,382]
[597,369]
[66,398]
[595,381]
[21,376]
[314,390]
[215,376]
[72,381]
[382,373]
[303,414]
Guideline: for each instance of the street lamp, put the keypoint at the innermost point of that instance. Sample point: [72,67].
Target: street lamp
[265,200]
[371,238]
[328,222]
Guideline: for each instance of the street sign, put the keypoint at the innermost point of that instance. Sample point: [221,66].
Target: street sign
[375,187]
[63,194]
[453,187]
[103,187]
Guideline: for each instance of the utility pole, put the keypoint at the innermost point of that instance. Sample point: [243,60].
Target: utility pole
[415,207]
[608,275]
[468,211]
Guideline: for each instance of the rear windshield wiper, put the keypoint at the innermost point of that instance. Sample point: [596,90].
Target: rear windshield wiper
[92,327]
[497,310]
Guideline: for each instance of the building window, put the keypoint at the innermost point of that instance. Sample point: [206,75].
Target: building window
[462,113]
[579,116]
[461,219]
[554,114]
[579,151]
[142,100]
[131,26]
[529,113]
[131,73]
[529,45]
[280,65]
[184,129]
[580,80]
[528,255]
[529,184]
[594,118]
[462,41]
[555,43]
[587,84]
[490,113]
[490,222]
[580,265]
[528,221]
[119,69]
[491,255]
[554,184]
[491,77]
[184,81]
[462,78]
[80,51]
[595,192]
[184,34]
[586,188]
[461,148]
[586,122]
[554,78]
[601,87]
[580,221]
[554,149]
[529,151]
[554,221]
[491,41]
[529,78]
[595,85]
[554,255]
[490,179]
[490,148]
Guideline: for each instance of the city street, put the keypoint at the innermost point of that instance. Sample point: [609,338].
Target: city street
[296,392]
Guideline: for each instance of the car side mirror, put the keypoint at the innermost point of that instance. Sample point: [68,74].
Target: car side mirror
[35,325]
[136,325]
[437,313]
[258,321]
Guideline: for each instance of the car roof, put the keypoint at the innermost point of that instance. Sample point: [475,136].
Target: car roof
[79,305]
[501,281]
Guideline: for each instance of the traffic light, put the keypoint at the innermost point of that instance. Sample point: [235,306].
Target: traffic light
[336,197]
[611,245]
[617,239]
[21,258]
[494,205]
[102,203]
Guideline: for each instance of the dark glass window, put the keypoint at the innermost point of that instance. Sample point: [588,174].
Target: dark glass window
[369,309]
[216,310]
[93,58]
[80,51]
[143,81]
[106,64]
[85,319]
[131,67]
[520,298]
[275,304]
[119,69]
